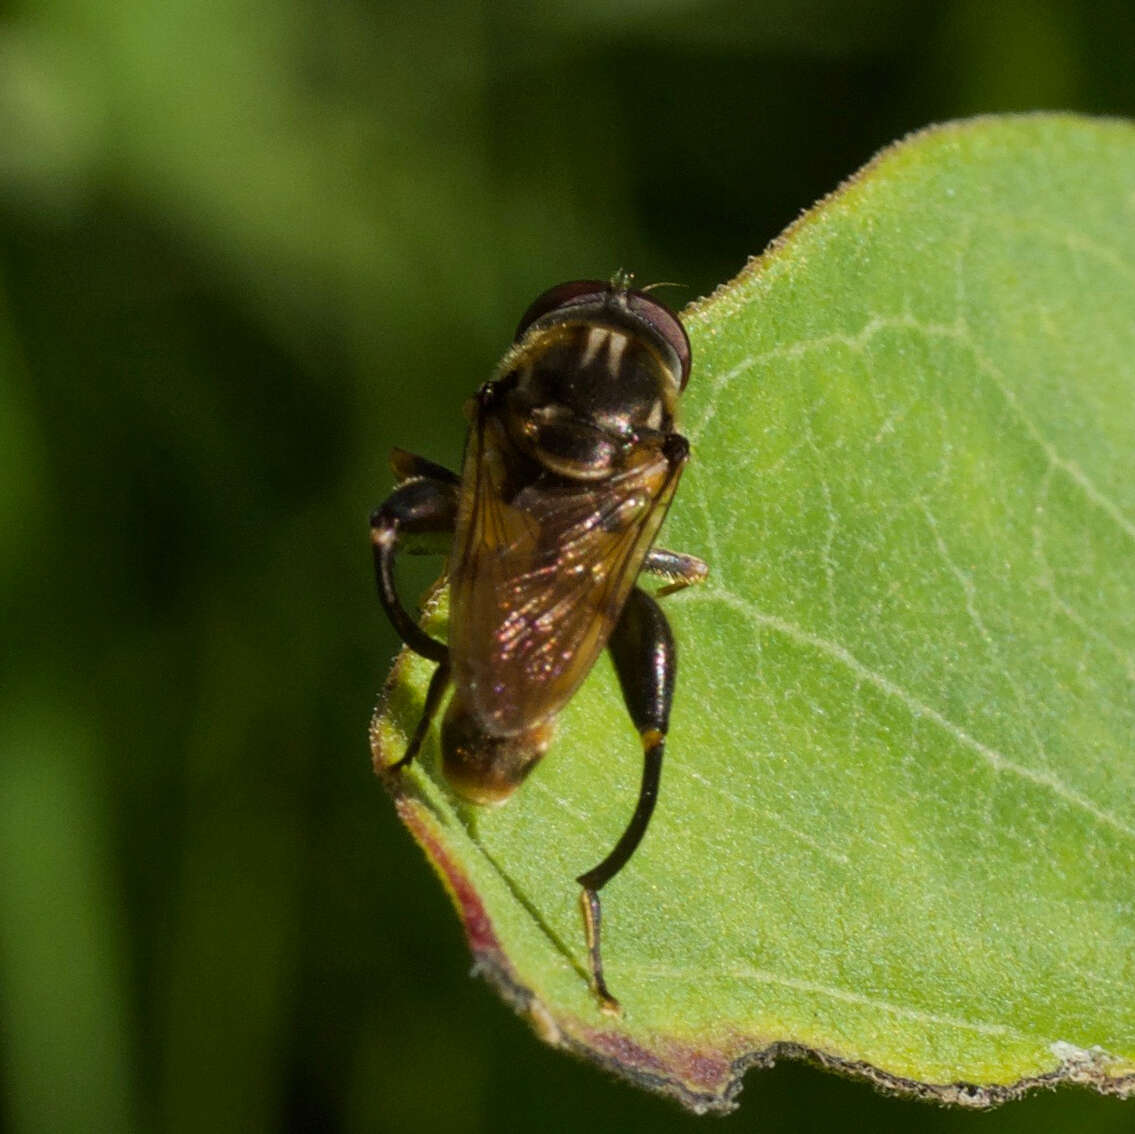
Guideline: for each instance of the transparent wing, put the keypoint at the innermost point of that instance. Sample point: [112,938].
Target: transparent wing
[540,576]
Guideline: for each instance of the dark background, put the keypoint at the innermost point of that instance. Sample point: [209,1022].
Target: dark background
[245,247]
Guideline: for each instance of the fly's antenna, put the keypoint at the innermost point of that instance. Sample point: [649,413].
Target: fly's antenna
[621,280]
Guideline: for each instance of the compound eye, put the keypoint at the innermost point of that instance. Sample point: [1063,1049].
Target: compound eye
[562,295]
[667,325]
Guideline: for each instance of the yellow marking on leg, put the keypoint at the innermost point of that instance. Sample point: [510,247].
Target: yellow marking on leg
[592,916]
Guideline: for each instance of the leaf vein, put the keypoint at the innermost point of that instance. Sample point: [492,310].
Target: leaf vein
[996,760]
[801,984]
[959,332]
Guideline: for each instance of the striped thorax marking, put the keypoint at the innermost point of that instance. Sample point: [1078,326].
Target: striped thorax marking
[613,340]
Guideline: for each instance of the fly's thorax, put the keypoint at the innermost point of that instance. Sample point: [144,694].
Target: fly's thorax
[578,396]
[609,375]
[483,768]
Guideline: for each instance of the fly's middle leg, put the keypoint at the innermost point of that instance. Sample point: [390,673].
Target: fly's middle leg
[434,694]
[682,570]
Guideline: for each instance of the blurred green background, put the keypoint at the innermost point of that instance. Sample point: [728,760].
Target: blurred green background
[245,247]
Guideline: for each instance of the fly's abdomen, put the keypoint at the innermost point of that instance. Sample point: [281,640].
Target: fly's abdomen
[482,767]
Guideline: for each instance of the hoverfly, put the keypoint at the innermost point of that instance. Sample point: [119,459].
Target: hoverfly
[570,464]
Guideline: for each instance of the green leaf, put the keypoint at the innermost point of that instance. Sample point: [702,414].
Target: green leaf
[896,830]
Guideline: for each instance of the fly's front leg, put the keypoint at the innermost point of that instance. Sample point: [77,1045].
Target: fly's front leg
[682,570]
[409,466]
[645,659]
[423,505]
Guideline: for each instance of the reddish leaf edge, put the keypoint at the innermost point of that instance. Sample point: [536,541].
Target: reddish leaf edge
[703,1078]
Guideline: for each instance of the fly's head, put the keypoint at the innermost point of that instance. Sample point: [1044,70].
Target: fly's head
[595,369]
